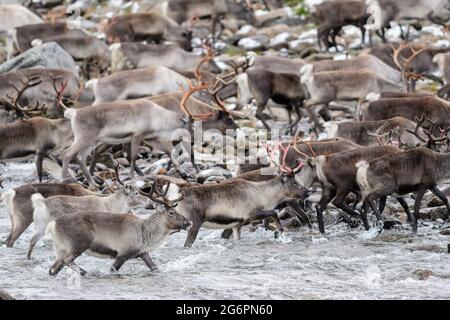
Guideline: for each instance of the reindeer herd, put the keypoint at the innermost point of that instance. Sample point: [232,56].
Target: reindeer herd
[370,134]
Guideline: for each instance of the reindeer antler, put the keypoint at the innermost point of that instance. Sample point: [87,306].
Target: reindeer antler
[60,92]
[219,83]
[14,104]
[404,67]
[161,196]
[283,167]
[432,140]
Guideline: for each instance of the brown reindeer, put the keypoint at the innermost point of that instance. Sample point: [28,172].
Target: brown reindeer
[38,136]
[416,171]
[116,236]
[148,26]
[20,208]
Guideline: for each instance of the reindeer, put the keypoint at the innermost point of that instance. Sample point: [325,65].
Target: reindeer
[305,149]
[443,62]
[133,55]
[117,236]
[273,78]
[220,119]
[416,171]
[337,176]
[325,87]
[410,108]
[129,121]
[148,26]
[51,208]
[414,60]
[219,205]
[216,10]
[400,10]
[82,48]
[362,61]
[134,84]
[345,13]
[21,38]
[258,175]
[38,136]
[31,92]
[20,208]
[367,133]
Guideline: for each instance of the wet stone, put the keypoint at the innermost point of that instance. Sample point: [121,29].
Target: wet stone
[445,232]
[391,224]
[429,248]
[438,213]
[423,274]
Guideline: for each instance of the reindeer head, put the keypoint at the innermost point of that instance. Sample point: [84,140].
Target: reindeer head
[430,127]
[170,218]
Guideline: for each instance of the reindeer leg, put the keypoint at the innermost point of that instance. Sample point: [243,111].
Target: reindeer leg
[289,110]
[39,159]
[301,215]
[364,212]
[36,237]
[96,156]
[134,150]
[148,261]
[405,207]
[259,114]
[56,267]
[71,153]
[382,204]
[419,195]
[15,233]
[299,116]
[261,214]
[192,233]
[226,234]
[311,115]
[402,33]
[77,268]
[118,263]
[363,35]
[82,158]
[339,202]
[327,195]
[444,199]
[371,200]
[237,233]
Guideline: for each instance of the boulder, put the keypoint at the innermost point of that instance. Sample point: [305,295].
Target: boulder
[16,15]
[48,55]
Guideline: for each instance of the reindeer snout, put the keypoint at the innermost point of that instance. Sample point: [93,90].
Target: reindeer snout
[187,224]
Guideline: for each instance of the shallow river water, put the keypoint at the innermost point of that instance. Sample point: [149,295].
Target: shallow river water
[345,264]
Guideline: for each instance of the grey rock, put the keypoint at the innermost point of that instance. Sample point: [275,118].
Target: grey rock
[423,274]
[48,55]
[429,248]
